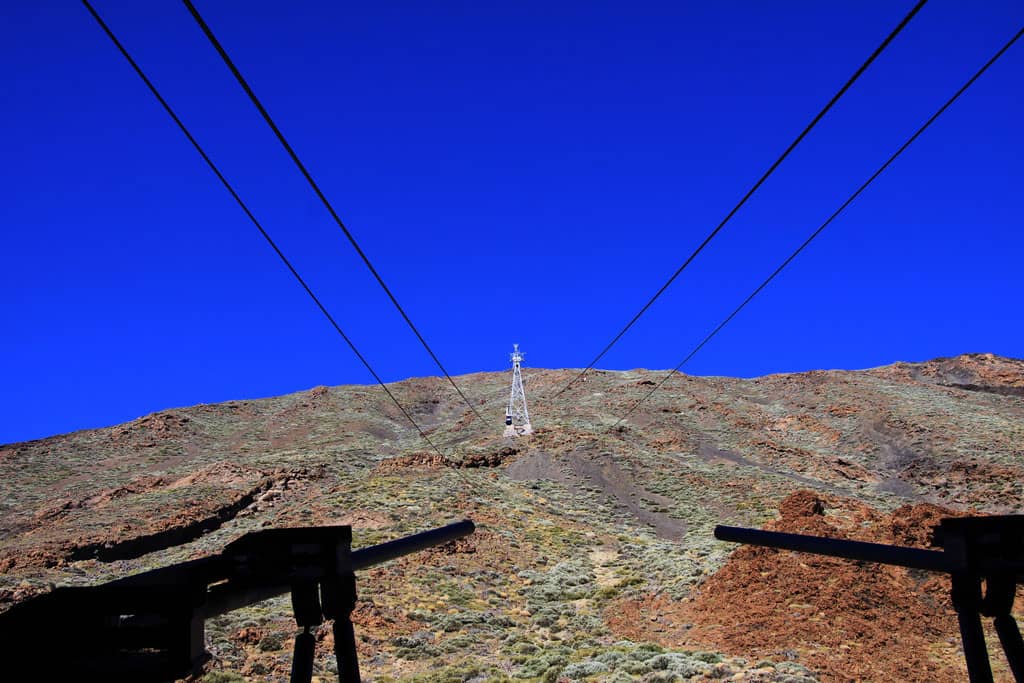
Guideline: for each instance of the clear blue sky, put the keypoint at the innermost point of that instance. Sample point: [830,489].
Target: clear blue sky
[518,172]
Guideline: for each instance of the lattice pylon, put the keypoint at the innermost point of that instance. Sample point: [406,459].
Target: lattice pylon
[517,417]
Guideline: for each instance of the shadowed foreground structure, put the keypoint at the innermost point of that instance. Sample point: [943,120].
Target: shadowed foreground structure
[151,626]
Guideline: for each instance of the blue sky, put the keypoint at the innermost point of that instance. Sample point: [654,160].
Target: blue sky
[525,172]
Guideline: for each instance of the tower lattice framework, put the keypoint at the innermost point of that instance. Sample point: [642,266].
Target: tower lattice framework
[517,417]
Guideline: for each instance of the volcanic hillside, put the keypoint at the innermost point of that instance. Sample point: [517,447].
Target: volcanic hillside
[594,557]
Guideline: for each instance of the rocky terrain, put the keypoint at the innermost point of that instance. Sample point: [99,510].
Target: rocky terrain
[594,557]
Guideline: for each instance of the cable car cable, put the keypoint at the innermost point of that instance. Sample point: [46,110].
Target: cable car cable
[824,225]
[319,193]
[245,208]
[750,192]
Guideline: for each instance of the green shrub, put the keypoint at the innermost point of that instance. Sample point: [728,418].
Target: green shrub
[271,642]
[543,664]
[580,670]
[222,677]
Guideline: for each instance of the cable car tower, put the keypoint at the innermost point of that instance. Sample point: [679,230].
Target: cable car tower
[517,418]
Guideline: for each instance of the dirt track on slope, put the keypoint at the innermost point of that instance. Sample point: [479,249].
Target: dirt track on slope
[618,485]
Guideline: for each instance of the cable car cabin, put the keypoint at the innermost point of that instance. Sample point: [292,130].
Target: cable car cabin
[508,419]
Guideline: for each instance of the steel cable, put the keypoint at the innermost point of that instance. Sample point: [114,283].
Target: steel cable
[319,193]
[245,208]
[828,221]
[750,192]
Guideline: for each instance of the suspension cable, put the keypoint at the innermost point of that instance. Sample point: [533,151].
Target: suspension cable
[245,208]
[319,193]
[824,225]
[750,192]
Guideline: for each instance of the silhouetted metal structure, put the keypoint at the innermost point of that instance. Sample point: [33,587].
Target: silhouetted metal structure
[974,550]
[150,627]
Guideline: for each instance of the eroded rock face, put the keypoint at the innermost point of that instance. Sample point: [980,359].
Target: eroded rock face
[587,535]
[213,496]
[844,619]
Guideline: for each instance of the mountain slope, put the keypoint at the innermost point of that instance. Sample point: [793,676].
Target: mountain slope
[581,524]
